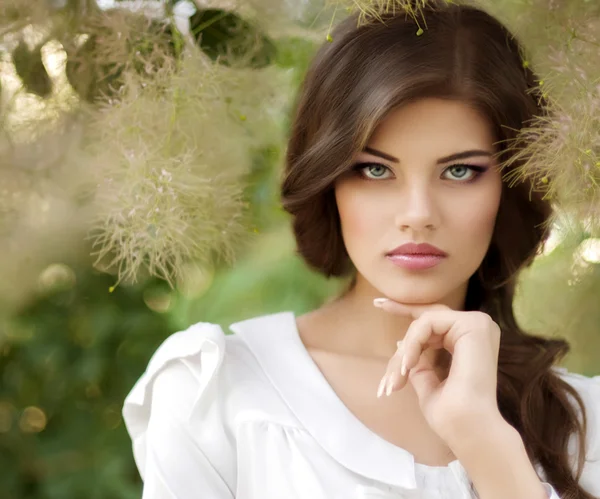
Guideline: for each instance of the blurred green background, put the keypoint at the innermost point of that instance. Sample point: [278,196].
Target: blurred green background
[71,346]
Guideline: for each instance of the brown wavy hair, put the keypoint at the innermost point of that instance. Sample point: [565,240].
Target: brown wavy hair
[372,67]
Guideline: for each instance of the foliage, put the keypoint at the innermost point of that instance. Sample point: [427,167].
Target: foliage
[160,198]
[69,358]
[558,297]
[151,143]
[66,363]
[117,41]
[226,37]
[192,138]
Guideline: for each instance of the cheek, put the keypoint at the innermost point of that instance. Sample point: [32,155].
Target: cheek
[478,216]
[360,213]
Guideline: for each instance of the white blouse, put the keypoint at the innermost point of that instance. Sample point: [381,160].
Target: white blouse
[250,416]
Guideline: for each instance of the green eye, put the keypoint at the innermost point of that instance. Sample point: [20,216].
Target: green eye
[376,170]
[371,171]
[463,173]
[459,171]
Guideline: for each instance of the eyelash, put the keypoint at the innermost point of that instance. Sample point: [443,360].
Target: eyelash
[478,170]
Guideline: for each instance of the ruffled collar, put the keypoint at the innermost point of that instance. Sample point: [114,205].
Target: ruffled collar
[275,341]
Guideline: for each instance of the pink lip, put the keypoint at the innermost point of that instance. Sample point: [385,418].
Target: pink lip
[416,256]
[417,249]
[415,262]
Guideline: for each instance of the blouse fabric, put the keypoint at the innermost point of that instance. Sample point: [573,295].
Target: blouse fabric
[251,416]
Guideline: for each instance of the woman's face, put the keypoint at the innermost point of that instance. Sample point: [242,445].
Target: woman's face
[406,190]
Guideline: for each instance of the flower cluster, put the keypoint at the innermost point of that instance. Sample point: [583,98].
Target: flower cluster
[168,162]
[560,152]
[151,160]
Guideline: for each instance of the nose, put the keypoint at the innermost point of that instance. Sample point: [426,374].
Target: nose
[417,209]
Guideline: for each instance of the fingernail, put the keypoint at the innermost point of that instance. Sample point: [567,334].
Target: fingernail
[390,384]
[379,301]
[403,368]
[382,384]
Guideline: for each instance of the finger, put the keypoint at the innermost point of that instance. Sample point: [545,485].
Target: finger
[395,379]
[423,334]
[423,373]
[396,360]
[390,378]
[419,336]
[424,382]
[429,330]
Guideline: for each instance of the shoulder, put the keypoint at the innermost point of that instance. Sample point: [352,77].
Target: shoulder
[185,404]
[200,349]
[206,351]
[588,388]
[188,368]
[178,379]
[195,370]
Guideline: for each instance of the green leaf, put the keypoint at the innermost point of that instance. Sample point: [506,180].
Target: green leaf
[226,37]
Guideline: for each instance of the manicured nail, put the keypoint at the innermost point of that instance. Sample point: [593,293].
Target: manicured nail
[379,301]
[403,368]
[382,384]
[390,384]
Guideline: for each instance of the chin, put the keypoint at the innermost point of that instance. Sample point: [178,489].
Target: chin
[412,297]
[415,293]
[416,300]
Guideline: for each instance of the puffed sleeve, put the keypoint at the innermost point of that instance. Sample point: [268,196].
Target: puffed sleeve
[589,390]
[180,443]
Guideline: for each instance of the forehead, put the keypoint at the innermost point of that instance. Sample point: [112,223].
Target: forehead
[433,125]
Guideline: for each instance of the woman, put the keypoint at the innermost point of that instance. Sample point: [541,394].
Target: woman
[392,178]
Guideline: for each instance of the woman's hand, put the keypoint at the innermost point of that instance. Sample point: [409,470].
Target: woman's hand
[466,398]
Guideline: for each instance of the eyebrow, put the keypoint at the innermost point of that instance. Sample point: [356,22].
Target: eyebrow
[453,157]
